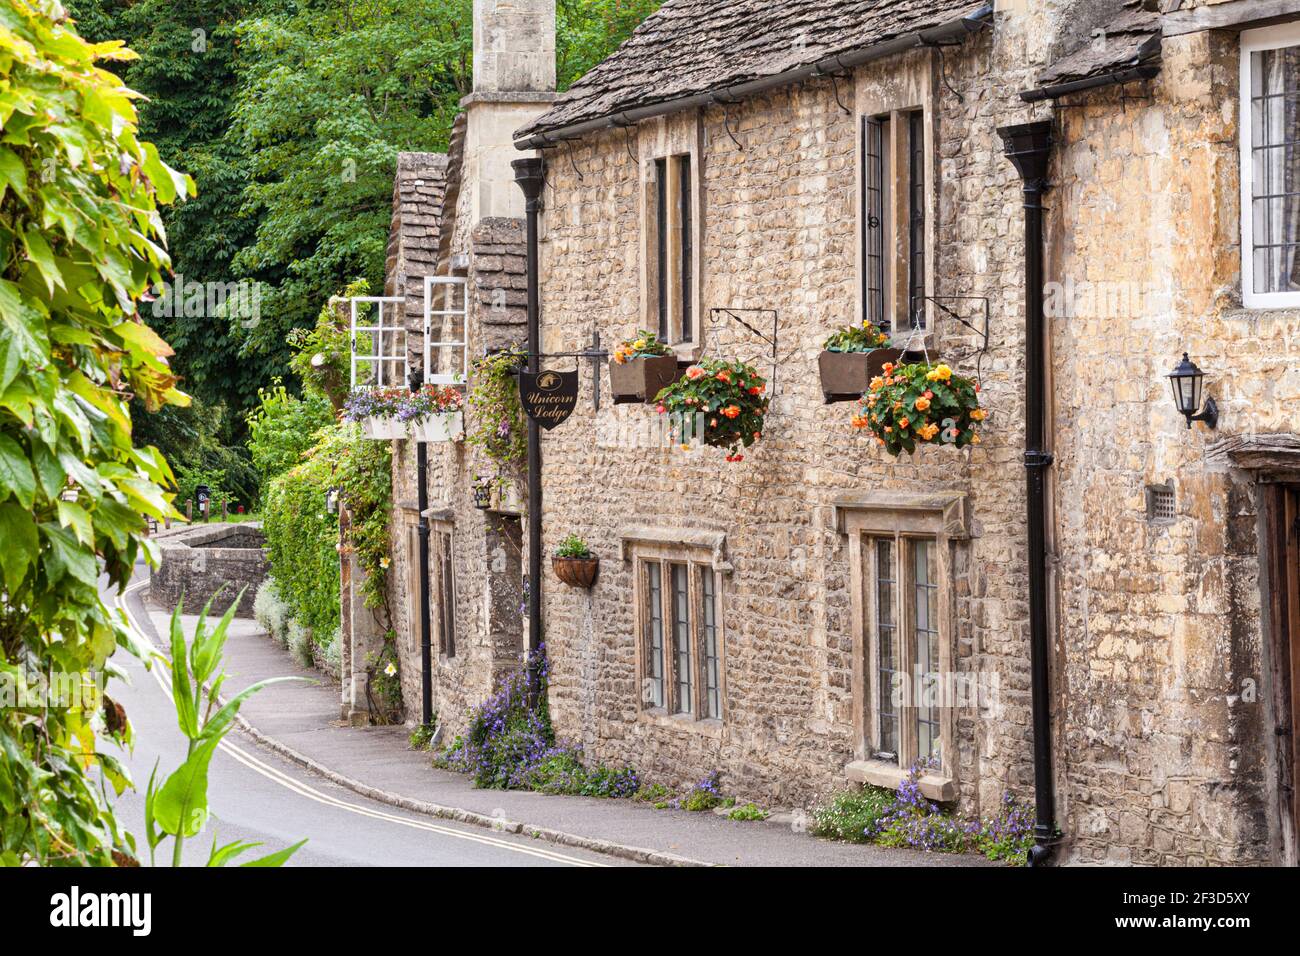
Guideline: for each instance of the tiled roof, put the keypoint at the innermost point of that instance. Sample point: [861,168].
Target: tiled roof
[1127,33]
[416,228]
[691,47]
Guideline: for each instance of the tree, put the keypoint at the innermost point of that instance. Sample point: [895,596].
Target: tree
[80,242]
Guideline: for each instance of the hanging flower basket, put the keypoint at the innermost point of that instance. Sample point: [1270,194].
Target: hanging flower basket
[574,564]
[721,402]
[920,404]
[433,414]
[845,364]
[640,368]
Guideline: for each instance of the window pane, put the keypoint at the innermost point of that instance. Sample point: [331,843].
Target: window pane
[447,597]
[682,638]
[925,609]
[709,633]
[684,201]
[1275,169]
[886,653]
[874,220]
[654,678]
[661,243]
[916,218]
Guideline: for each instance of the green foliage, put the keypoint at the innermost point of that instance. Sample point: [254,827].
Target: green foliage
[199,438]
[852,814]
[496,421]
[587,31]
[422,736]
[80,242]
[748,811]
[270,611]
[856,338]
[921,404]
[705,795]
[283,428]
[179,807]
[642,345]
[322,355]
[655,793]
[573,547]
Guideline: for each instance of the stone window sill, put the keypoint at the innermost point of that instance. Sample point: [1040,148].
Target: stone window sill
[659,717]
[934,786]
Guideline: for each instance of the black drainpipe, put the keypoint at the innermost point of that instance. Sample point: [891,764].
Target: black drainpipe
[422,504]
[1029,147]
[529,176]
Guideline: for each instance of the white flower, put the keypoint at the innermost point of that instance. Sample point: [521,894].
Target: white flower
[391,669]
[383,563]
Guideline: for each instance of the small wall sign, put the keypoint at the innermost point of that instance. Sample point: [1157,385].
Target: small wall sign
[548,397]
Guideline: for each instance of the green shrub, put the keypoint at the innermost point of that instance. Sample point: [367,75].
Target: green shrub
[705,795]
[285,427]
[270,611]
[851,814]
[748,811]
[300,644]
[422,736]
[331,655]
[652,793]
[302,544]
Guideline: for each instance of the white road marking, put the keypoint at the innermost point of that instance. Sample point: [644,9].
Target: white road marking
[311,793]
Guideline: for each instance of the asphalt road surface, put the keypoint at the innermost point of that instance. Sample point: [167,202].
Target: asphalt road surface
[257,796]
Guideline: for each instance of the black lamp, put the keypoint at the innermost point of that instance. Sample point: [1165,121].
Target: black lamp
[1187,382]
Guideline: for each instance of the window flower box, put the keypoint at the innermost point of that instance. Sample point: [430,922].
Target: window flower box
[432,414]
[849,359]
[641,368]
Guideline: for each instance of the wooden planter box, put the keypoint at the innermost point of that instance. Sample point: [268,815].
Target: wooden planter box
[845,375]
[444,426]
[641,379]
[576,572]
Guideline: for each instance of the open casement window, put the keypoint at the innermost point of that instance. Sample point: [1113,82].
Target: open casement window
[680,652]
[1270,167]
[671,250]
[378,342]
[446,356]
[893,220]
[901,547]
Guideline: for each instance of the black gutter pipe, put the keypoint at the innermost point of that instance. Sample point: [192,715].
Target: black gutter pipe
[530,178]
[955,29]
[416,380]
[1131,74]
[1029,147]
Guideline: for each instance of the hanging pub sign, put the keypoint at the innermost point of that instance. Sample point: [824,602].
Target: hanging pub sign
[548,397]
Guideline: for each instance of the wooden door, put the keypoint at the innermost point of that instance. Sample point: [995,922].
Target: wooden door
[1283,528]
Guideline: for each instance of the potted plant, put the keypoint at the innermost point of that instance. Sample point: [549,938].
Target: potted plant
[574,563]
[719,401]
[920,403]
[431,414]
[845,361]
[640,368]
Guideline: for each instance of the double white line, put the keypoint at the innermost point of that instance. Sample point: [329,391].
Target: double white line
[311,793]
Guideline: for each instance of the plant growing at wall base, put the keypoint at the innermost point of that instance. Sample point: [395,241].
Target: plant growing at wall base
[384,682]
[722,402]
[921,404]
[748,811]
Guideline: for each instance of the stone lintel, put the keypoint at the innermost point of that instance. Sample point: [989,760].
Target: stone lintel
[697,539]
[934,512]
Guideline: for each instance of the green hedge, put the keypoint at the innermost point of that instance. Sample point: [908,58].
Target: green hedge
[302,544]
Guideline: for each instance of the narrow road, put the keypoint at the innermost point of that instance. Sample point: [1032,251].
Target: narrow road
[257,796]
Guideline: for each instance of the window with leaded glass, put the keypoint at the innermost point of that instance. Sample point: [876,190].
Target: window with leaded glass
[681,658]
[893,219]
[1270,166]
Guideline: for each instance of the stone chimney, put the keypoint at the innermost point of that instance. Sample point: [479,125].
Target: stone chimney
[514,82]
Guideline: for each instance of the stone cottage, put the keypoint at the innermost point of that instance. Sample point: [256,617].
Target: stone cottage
[745,177]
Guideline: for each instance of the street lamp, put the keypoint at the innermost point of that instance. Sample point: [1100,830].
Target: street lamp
[1187,382]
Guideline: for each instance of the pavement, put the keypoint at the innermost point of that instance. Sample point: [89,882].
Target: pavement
[298,724]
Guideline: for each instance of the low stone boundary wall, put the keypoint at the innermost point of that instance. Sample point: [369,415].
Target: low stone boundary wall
[203,561]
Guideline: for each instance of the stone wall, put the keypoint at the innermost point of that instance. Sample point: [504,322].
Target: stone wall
[210,561]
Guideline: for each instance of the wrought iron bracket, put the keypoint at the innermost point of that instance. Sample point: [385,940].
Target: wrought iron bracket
[594,353]
[718,314]
[1038,459]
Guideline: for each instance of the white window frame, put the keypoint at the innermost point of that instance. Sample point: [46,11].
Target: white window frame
[452,282]
[1254,41]
[380,360]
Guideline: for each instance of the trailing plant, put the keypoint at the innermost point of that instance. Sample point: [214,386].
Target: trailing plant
[560,770]
[178,808]
[643,345]
[917,823]
[864,337]
[654,793]
[1009,834]
[401,403]
[851,815]
[573,547]
[920,404]
[81,243]
[497,425]
[705,795]
[748,811]
[725,398]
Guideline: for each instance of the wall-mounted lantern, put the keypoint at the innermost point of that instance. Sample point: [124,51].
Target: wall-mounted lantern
[331,501]
[482,495]
[1187,382]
